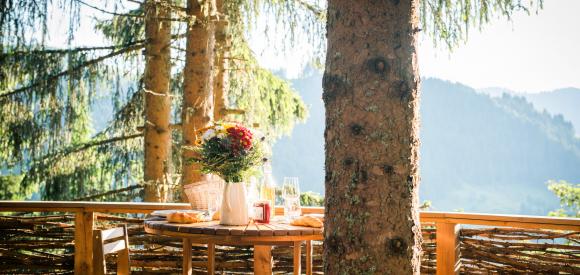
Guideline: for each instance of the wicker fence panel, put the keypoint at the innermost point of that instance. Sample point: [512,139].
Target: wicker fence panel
[428,258]
[37,245]
[45,245]
[519,251]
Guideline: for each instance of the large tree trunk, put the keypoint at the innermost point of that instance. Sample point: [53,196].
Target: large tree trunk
[197,109]
[371,96]
[222,43]
[157,101]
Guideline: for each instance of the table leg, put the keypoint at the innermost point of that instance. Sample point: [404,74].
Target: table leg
[308,257]
[262,259]
[297,254]
[186,265]
[210,258]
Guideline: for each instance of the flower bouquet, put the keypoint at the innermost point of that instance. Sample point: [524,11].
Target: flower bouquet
[230,151]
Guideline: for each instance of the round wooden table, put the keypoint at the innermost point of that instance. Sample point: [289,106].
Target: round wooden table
[261,236]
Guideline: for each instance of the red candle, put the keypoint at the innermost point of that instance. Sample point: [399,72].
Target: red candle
[262,211]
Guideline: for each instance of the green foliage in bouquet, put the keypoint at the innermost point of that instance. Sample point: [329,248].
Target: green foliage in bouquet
[228,150]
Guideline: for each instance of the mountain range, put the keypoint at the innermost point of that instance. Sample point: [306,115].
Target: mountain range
[565,102]
[479,152]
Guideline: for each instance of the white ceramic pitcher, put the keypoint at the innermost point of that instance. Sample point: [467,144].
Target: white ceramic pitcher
[234,209]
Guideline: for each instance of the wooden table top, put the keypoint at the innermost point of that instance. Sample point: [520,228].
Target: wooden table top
[254,232]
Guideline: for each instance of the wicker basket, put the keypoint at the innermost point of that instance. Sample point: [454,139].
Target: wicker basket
[198,193]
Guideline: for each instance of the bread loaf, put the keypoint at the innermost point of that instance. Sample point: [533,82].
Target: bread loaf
[181,217]
[318,216]
[307,221]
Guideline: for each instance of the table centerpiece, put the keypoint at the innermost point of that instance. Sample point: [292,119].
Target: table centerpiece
[230,151]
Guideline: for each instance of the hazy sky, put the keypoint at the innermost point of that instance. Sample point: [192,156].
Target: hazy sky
[531,53]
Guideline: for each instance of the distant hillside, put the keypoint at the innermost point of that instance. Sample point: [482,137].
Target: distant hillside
[490,155]
[562,101]
[478,153]
[555,127]
[496,91]
[565,102]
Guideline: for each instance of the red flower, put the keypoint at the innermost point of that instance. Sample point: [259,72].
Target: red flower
[240,137]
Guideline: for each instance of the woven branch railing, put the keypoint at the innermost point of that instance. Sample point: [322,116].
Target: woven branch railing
[45,244]
[519,251]
[58,244]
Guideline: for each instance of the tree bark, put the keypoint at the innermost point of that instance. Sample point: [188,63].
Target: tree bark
[197,109]
[222,43]
[157,138]
[371,97]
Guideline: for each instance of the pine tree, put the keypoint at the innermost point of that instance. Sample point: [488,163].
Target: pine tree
[157,139]
[223,43]
[371,85]
[197,107]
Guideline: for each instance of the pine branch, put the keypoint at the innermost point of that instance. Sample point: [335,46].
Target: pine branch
[81,147]
[91,144]
[137,45]
[178,48]
[71,50]
[131,107]
[55,157]
[110,12]
[112,192]
[128,14]
[173,7]
[74,69]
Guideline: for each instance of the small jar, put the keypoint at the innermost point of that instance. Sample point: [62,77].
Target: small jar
[262,211]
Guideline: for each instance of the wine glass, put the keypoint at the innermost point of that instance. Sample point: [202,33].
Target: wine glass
[213,202]
[290,188]
[291,195]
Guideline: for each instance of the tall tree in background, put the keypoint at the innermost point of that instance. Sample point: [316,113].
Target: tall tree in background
[197,106]
[222,42]
[371,97]
[157,140]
